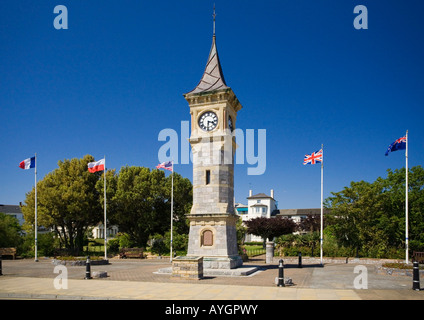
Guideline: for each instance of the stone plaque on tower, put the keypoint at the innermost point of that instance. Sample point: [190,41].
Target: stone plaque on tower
[213,108]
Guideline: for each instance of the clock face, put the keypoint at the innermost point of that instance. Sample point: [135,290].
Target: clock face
[208,121]
[230,123]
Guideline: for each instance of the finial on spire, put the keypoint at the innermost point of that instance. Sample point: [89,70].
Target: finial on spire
[214,15]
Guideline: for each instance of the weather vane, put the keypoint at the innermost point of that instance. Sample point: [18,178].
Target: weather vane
[214,15]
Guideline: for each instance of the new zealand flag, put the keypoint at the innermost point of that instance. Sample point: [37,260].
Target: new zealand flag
[399,144]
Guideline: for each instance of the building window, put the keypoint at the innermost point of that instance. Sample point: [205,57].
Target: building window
[208,176]
[258,201]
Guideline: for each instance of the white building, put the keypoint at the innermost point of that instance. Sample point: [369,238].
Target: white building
[258,205]
[98,231]
[262,205]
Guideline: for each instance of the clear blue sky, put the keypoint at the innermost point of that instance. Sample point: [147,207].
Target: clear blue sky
[111,82]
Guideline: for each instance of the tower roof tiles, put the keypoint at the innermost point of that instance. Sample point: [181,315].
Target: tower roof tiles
[213,78]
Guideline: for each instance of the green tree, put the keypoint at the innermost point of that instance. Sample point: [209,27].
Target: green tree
[10,231]
[183,200]
[161,244]
[68,202]
[370,217]
[394,190]
[141,205]
[241,232]
[355,213]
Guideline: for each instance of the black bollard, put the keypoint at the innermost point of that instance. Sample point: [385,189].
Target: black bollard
[0,266]
[88,269]
[416,277]
[300,260]
[281,274]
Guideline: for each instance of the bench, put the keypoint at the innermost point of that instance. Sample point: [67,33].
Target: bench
[8,252]
[131,253]
[418,256]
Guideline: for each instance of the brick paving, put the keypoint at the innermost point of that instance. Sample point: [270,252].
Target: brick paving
[137,270]
[138,279]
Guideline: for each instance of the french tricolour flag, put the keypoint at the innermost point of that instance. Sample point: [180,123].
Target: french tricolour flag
[96,166]
[27,163]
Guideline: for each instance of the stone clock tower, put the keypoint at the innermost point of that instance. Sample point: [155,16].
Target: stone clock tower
[213,108]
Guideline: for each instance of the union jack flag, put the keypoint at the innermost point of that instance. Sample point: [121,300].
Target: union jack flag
[165,165]
[399,144]
[313,158]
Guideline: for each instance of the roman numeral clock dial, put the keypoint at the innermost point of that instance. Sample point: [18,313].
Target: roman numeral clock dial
[208,121]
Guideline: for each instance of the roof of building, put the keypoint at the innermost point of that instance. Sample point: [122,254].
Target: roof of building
[213,78]
[299,212]
[259,196]
[7,208]
[240,205]
[259,205]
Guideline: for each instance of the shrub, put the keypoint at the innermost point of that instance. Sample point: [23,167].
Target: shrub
[161,244]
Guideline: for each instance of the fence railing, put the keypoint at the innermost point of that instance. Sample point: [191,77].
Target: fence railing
[255,252]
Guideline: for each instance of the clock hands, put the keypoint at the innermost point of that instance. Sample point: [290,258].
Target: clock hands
[208,121]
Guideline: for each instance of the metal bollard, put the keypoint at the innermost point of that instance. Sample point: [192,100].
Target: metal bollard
[416,277]
[300,260]
[281,274]
[88,269]
[0,265]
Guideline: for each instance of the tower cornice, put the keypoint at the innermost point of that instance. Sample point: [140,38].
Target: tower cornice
[212,97]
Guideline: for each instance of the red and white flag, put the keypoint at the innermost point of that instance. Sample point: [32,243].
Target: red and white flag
[96,166]
[166,165]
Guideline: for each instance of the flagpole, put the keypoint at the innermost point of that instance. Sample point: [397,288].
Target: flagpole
[105,229]
[36,227]
[406,202]
[322,200]
[172,206]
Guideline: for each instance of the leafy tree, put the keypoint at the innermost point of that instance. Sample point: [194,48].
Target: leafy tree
[370,217]
[268,228]
[68,202]
[161,244]
[394,192]
[111,182]
[183,200]
[355,212]
[141,204]
[9,231]
[241,232]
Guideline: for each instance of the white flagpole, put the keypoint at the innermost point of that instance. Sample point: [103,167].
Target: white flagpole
[36,227]
[172,206]
[406,202]
[322,201]
[105,236]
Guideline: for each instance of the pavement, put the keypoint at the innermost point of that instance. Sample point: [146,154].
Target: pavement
[138,279]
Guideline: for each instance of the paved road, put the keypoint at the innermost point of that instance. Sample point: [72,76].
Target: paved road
[138,279]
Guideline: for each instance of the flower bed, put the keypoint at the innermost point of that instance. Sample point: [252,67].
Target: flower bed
[397,269]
